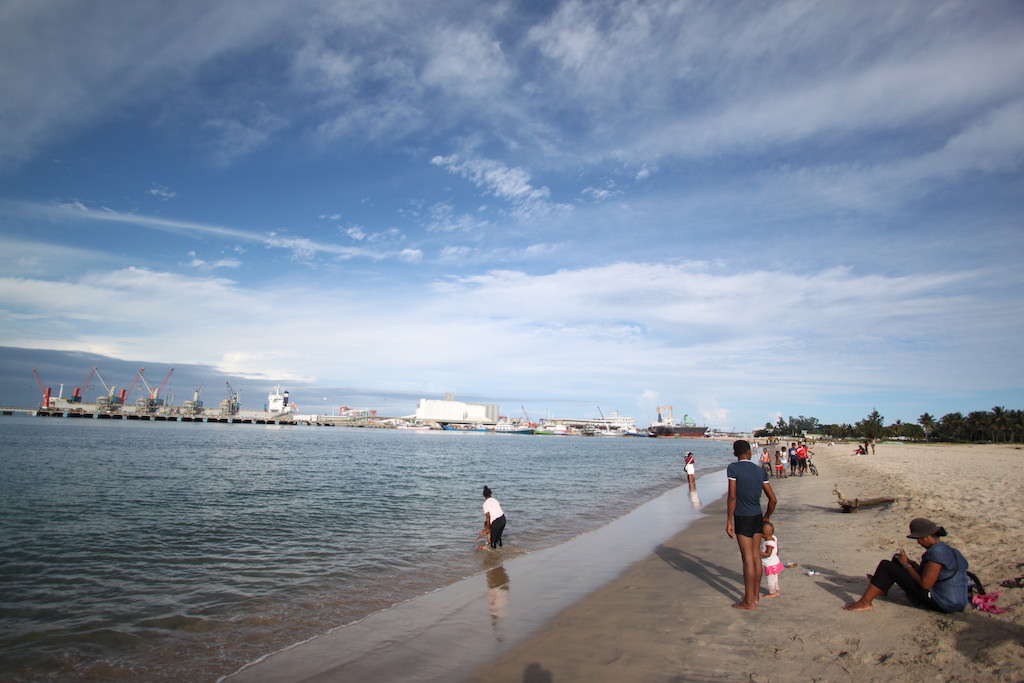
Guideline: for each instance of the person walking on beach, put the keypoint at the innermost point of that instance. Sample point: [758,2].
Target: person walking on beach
[690,466]
[744,518]
[494,519]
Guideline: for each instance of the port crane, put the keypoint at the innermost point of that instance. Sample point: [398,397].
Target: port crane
[193,405]
[76,396]
[108,402]
[163,385]
[529,422]
[153,401]
[125,393]
[46,392]
[229,406]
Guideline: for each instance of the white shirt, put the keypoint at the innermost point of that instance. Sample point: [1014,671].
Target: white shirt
[772,543]
[492,506]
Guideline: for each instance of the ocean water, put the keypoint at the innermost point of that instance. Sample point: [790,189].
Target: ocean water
[167,551]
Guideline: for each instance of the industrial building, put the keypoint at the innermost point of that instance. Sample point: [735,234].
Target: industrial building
[450,411]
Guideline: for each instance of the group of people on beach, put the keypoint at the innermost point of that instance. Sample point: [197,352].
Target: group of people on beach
[797,456]
[939,582]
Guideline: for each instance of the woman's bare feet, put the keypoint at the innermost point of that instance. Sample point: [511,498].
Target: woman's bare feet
[745,605]
[771,595]
[859,606]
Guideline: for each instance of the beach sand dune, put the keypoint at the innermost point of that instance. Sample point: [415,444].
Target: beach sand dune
[668,617]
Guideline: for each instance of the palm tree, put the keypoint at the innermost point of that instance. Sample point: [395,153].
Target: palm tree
[999,423]
[1015,420]
[951,427]
[927,422]
[978,423]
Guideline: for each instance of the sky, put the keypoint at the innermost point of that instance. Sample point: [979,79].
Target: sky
[743,210]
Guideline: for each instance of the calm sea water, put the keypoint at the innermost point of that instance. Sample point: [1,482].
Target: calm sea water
[166,551]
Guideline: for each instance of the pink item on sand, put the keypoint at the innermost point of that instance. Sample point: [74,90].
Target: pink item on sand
[987,603]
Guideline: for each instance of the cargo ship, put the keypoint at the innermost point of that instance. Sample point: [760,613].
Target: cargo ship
[668,428]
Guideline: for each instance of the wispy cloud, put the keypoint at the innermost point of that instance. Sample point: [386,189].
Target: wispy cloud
[161,192]
[510,184]
[989,144]
[236,136]
[59,96]
[300,247]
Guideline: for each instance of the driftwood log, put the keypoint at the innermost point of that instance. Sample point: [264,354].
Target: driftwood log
[853,505]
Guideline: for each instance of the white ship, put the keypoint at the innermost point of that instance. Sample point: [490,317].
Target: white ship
[278,405]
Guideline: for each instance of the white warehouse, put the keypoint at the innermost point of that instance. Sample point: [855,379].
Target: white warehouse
[452,411]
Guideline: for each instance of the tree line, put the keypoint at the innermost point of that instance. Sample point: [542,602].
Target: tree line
[997,425]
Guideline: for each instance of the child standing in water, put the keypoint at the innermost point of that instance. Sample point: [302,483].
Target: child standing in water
[770,558]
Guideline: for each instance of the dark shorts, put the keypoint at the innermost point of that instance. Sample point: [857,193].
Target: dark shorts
[748,526]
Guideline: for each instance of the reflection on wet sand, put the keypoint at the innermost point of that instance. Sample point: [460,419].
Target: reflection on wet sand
[497,596]
[413,641]
[694,497]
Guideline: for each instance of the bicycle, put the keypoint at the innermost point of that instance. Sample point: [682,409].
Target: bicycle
[812,468]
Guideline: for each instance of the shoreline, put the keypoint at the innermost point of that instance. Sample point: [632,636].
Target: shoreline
[489,612]
[668,616]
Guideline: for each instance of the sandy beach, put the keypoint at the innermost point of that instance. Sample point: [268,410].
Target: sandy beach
[668,617]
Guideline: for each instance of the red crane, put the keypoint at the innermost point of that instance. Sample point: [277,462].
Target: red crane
[126,392]
[45,392]
[76,397]
[156,393]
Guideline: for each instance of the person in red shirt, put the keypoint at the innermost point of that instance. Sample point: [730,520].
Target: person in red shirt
[801,457]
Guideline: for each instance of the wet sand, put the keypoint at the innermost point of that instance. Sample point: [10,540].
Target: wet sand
[447,634]
[668,617]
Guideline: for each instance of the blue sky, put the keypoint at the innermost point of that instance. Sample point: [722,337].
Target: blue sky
[740,209]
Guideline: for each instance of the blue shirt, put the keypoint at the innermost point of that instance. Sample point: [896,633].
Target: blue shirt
[950,591]
[750,479]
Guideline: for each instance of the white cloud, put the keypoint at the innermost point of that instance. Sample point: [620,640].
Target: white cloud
[990,144]
[455,254]
[687,332]
[200,264]
[59,94]
[300,247]
[441,217]
[238,136]
[467,63]
[411,255]
[510,184]
[161,192]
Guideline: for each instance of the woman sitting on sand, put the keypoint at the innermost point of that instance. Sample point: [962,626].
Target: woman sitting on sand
[939,583]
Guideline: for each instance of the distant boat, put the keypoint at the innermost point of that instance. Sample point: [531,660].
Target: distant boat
[507,426]
[611,432]
[556,430]
[473,427]
[669,428]
[415,426]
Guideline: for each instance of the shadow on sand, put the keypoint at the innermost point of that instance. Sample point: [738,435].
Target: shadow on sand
[726,581]
[844,586]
